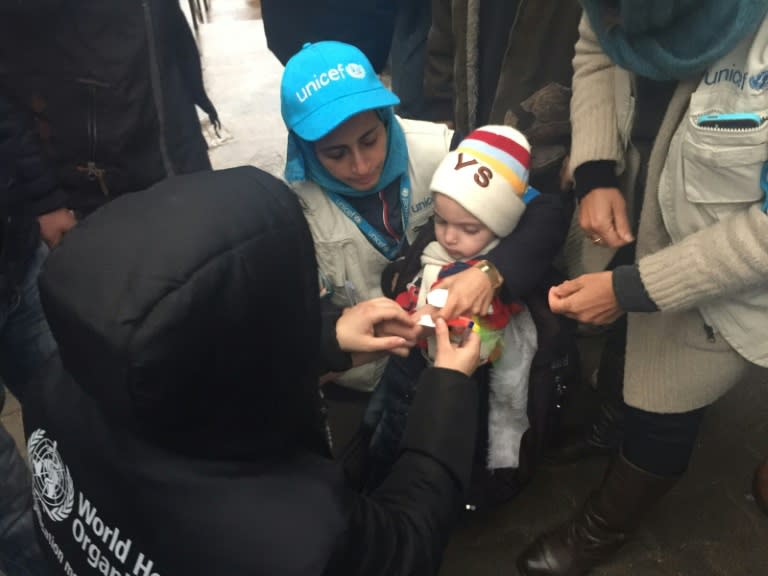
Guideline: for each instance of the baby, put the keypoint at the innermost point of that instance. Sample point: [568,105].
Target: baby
[480,191]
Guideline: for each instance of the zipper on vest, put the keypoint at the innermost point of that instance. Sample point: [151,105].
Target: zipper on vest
[730,130]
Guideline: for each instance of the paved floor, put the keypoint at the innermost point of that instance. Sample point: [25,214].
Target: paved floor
[707,526]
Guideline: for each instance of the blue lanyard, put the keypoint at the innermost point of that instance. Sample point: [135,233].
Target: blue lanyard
[387,246]
[764,185]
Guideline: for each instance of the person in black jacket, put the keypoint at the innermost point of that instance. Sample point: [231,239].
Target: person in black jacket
[31,210]
[179,431]
[367,24]
[113,88]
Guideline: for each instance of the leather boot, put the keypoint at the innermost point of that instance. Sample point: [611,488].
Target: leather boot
[760,486]
[606,521]
[604,434]
[602,438]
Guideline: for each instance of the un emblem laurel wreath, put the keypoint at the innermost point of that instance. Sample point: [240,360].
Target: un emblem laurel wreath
[52,482]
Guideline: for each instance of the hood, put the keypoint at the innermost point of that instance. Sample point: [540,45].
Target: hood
[190,313]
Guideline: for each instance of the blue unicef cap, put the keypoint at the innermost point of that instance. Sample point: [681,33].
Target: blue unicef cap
[326,83]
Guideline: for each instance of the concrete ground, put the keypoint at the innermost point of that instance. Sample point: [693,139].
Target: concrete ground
[707,526]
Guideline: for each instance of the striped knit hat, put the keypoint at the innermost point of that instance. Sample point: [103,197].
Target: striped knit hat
[488,175]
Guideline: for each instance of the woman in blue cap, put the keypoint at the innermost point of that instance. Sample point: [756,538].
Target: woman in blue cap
[363,177]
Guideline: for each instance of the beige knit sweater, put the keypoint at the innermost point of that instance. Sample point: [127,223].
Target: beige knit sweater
[672,365]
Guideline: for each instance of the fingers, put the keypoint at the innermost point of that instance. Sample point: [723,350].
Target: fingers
[451,303]
[463,358]
[449,311]
[469,293]
[389,319]
[561,297]
[425,310]
[593,303]
[603,218]
[375,325]
[472,343]
[555,301]
[459,304]
[563,306]
[441,334]
[622,228]
[410,333]
[566,288]
[385,309]
[383,343]
[602,231]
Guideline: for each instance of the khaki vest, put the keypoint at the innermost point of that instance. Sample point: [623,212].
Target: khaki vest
[712,173]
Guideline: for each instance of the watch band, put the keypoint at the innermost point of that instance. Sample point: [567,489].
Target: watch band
[492,272]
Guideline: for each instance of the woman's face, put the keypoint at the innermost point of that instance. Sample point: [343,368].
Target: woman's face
[355,152]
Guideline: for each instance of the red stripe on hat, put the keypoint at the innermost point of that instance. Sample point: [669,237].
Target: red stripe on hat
[508,145]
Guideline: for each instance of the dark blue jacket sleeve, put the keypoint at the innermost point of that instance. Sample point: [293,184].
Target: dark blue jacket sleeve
[525,257]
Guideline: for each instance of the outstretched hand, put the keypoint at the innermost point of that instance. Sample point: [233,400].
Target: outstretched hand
[464,357]
[589,299]
[375,327]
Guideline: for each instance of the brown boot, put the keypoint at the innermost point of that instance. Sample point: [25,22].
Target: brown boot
[760,486]
[606,521]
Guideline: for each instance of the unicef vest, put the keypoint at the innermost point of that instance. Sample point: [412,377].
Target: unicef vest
[711,173]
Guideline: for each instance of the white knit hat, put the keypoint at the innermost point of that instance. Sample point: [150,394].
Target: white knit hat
[488,175]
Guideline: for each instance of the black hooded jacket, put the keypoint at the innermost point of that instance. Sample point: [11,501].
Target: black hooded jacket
[113,88]
[178,431]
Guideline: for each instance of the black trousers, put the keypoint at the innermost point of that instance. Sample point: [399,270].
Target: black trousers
[660,443]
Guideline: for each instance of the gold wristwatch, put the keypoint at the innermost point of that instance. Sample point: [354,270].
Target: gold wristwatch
[492,272]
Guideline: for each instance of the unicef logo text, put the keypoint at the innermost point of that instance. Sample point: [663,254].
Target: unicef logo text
[339,72]
[739,78]
[51,480]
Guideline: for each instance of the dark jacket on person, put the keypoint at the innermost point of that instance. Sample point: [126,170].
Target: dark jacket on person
[505,62]
[367,24]
[27,190]
[179,430]
[112,86]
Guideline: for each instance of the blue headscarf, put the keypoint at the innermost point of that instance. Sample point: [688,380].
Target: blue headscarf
[302,162]
[672,39]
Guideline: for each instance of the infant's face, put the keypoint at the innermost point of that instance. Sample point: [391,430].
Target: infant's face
[459,232]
